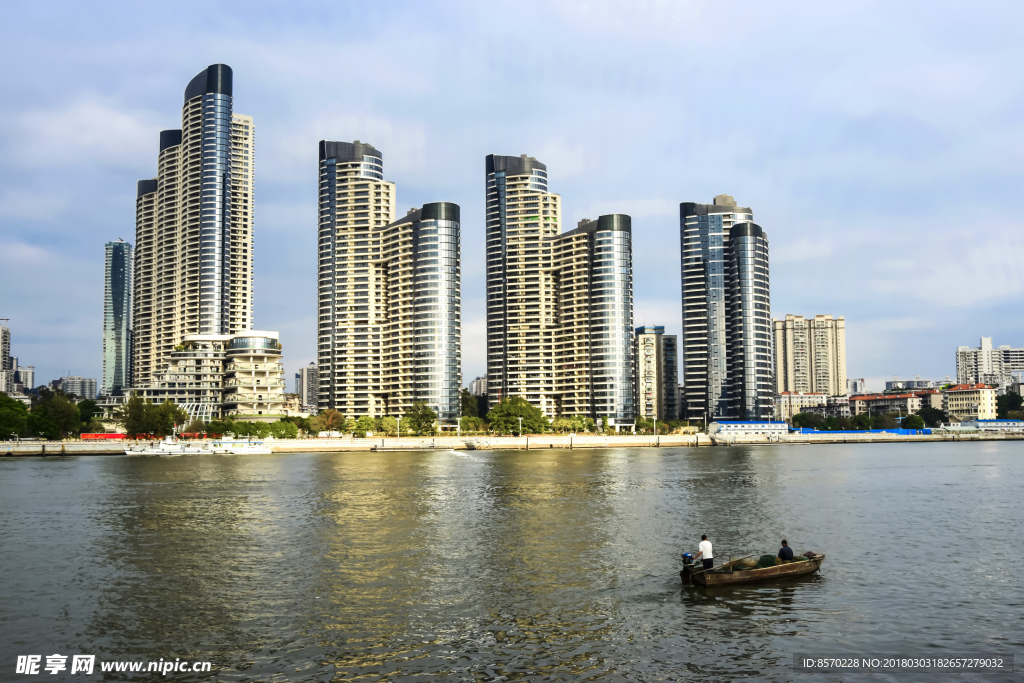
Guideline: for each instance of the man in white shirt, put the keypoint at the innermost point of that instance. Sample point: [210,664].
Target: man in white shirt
[705,552]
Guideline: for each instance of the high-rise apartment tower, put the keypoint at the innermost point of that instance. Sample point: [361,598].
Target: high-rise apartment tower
[307,386]
[657,373]
[559,305]
[988,364]
[117,319]
[355,204]
[389,318]
[194,227]
[521,287]
[810,355]
[727,329]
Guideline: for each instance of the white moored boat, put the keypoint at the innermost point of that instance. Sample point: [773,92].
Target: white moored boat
[238,447]
[169,446]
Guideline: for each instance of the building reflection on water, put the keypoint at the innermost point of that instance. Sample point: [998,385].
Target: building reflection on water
[475,565]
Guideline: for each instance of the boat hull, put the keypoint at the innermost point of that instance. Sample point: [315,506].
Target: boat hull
[718,577]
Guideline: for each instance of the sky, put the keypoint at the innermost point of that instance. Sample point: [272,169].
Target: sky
[880,146]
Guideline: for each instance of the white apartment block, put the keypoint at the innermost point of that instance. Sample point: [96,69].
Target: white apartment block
[810,355]
[987,364]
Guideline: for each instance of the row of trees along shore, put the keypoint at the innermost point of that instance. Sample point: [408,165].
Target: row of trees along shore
[1008,407]
[56,415]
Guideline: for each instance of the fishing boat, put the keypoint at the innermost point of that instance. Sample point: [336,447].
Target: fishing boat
[728,576]
[169,446]
[238,447]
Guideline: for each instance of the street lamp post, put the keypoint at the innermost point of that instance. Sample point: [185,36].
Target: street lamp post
[520,427]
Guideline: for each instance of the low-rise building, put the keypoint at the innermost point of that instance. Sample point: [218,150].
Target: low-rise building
[789,403]
[879,404]
[213,376]
[994,425]
[930,398]
[835,406]
[747,428]
[970,401]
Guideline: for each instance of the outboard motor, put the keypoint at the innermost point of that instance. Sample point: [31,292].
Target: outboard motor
[687,569]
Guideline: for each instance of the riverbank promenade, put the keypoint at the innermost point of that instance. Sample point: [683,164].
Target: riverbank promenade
[495,443]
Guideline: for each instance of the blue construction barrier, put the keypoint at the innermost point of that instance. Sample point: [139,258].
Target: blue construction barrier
[901,432]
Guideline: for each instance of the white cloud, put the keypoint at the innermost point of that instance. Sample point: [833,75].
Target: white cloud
[87,131]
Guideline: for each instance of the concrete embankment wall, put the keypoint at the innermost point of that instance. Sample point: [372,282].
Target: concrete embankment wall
[547,442]
[826,438]
[541,442]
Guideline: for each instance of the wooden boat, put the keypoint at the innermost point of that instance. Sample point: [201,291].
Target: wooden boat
[726,577]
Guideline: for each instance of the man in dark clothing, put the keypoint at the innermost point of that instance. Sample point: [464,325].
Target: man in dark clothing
[785,553]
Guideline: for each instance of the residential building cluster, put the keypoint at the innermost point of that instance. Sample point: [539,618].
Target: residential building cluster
[178,305]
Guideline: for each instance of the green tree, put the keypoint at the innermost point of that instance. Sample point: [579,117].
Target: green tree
[913,422]
[133,415]
[334,421]
[604,424]
[885,421]
[87,410]
[561,425]
[283,429]
[389,426]
[64,414]
[933,417]
[862,421]
[1008,402]
[808,421]
[219,427]
[420,419]
[13,417]
[504,417]
[363,425]
[317,424]
[41,424]
[197,427]
[95,427]
[831,424]
[469,407]
[166,417]
[472,424]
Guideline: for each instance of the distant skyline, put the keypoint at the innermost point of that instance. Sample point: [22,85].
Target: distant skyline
[879,145]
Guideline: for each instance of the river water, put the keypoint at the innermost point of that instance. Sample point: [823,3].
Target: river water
[538,565]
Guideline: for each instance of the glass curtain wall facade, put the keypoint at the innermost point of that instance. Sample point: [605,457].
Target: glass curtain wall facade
[593,350]
[356,204]
[717,308]
[751,364]
[194,227]
[117,319]
[522,217]
[436,308]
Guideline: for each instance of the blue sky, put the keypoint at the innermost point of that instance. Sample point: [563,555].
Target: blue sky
[879,144]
